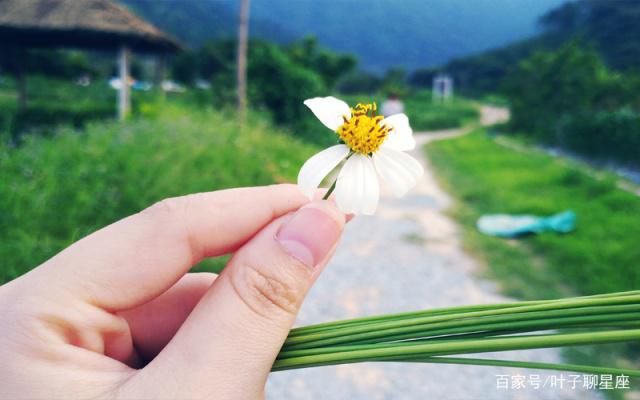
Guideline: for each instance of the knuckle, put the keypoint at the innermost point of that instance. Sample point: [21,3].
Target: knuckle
[268,293]
[167,208]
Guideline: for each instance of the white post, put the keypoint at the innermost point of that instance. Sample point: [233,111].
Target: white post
[124,99]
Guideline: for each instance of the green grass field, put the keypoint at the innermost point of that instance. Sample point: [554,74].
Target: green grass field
[59,188]
[601,255]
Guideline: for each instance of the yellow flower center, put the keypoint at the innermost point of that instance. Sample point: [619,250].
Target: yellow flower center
[363,132]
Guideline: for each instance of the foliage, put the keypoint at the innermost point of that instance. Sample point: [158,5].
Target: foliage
[569,98]
[52,102]
[394,82]
[422,77]
[425,114]
[58,189]
[359,81]
[281,85]
[329,65]
[603,135]
[66,64]
[484,73]
[599,256]
[279,78]
[612,28]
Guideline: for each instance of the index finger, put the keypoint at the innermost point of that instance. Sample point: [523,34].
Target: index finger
[136,259]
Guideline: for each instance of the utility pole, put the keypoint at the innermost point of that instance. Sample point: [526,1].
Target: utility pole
[243,37]
[124,94]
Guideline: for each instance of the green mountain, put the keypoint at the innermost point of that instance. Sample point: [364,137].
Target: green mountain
[382,33]
[612,28]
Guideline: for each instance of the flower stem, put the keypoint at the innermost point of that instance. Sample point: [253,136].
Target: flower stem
[333,185]
[331,189]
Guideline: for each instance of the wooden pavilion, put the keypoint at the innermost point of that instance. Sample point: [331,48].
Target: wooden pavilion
[89,24]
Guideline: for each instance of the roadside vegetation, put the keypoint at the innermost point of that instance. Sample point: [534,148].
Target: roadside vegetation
[426,114]
[59,188]
[600,256]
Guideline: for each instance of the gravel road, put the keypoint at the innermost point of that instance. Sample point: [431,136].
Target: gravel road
[407,257]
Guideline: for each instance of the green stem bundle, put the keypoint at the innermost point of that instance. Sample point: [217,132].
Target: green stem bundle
[433,336]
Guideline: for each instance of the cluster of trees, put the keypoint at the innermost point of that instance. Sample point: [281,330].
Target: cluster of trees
[575,86]
[612,28]
[570,98]
[280,78]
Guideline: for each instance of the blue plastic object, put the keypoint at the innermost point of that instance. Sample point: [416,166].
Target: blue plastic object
[504,225]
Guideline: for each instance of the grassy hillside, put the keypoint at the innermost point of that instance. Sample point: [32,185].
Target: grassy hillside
[58,189]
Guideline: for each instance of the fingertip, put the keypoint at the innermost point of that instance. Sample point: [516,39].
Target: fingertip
[330,208]
[312,232]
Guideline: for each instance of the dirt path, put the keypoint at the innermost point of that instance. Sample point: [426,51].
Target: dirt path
[407,257]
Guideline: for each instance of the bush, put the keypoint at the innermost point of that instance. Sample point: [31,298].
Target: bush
[425,114]
[570,99]
[58,189]
[604,135]
[279,78]
[52,102]
[43,114]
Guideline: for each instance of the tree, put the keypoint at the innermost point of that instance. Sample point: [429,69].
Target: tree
[331,67]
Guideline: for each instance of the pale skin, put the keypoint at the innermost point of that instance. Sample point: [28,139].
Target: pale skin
[118,315]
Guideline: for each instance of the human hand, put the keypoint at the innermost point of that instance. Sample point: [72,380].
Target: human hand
[116,315]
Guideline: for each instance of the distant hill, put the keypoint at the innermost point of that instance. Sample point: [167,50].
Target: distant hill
[382,33]
[610,27]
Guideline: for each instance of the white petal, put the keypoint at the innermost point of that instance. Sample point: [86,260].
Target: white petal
[319,166]
[357,189]
[329,110]
[401,137]
[398,170]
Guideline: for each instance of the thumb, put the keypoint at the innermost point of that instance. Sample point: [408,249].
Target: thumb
[229,342]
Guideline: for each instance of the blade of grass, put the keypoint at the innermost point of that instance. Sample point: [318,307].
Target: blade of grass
[350,330]
[449,310]
[379,351]
[407,330]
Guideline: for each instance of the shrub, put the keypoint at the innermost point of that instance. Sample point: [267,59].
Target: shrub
[604,135]
[569,98]
[425,114]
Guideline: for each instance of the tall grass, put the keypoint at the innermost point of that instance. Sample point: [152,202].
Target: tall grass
[55,190]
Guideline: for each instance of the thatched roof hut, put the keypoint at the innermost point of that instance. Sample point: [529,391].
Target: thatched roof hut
[96,24]
[92,24]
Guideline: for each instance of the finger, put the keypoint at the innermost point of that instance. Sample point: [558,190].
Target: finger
[235,332]
[134,260]
[153,324]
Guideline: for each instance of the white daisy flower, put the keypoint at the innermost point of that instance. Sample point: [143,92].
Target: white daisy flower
[373,147]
